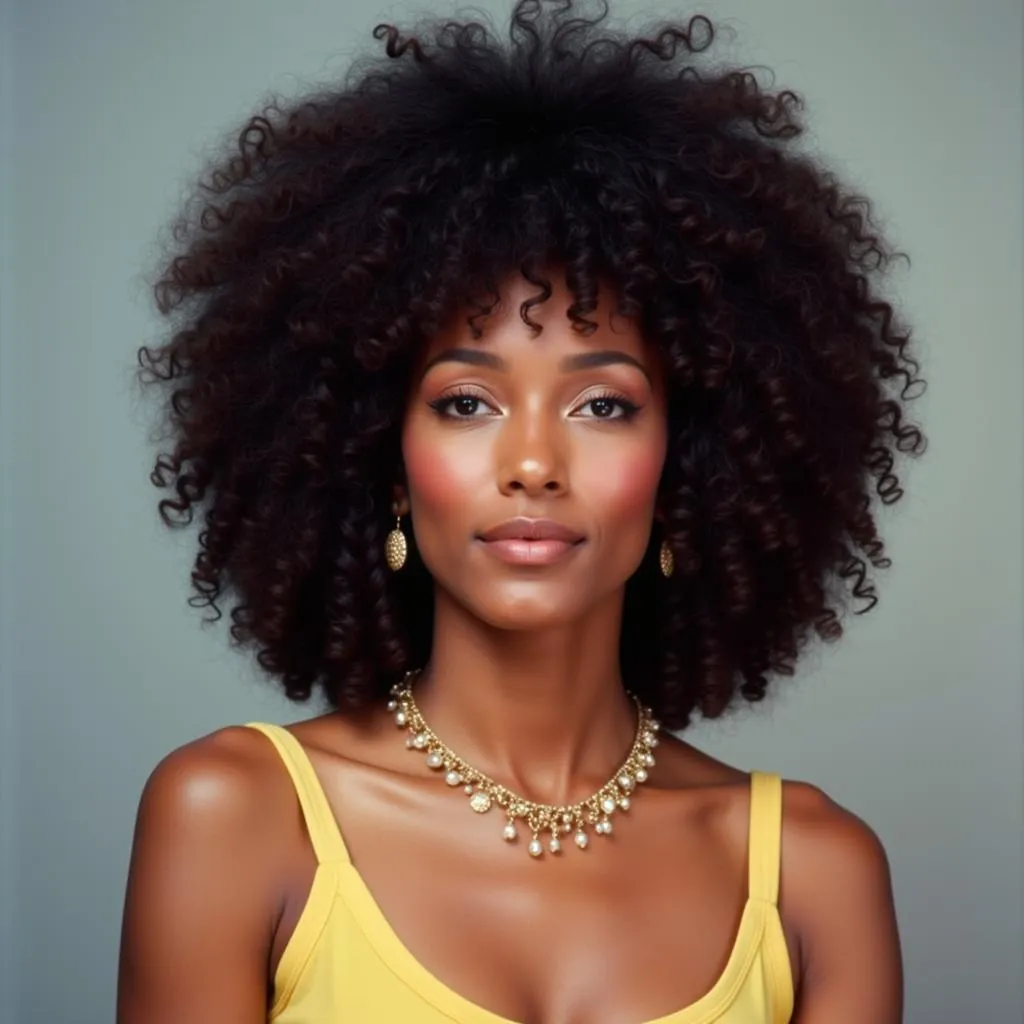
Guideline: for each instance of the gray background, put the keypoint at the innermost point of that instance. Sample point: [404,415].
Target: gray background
[914,720]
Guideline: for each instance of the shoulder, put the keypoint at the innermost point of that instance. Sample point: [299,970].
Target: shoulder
[228,773]
[836,894]
[214,837]
[823,841]
[819,835]
[833,863]
[216,796]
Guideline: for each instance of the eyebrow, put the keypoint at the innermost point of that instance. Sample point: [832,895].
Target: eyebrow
[581,361]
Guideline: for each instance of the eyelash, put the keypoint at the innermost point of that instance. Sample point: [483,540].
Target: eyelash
[629,409]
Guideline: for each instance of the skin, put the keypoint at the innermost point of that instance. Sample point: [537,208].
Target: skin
[524,683]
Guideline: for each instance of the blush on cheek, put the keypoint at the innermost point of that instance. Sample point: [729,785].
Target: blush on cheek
[624,489]
[444,477]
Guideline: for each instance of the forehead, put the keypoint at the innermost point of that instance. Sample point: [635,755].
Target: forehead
[504,330]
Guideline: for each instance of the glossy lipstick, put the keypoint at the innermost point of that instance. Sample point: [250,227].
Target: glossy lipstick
[523,541]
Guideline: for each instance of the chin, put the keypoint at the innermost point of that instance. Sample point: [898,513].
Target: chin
[526,611]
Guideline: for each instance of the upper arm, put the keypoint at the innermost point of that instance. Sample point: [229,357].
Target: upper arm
[199,904]
[839,890]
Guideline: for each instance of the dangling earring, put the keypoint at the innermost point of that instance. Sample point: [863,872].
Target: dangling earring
[395,547]
[666,559]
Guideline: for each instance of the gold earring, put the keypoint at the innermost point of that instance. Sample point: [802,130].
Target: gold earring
[666,559]
[395,547]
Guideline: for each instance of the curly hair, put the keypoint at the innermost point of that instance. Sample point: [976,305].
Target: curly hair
[336,232]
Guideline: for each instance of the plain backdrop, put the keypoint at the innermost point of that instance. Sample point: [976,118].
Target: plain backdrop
[914,720]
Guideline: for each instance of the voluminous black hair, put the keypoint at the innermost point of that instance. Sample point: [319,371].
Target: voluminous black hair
[345,227]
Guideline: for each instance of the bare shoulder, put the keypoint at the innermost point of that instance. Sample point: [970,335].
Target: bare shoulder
[819,834]
[226,780]
[823,842]
[219,807]
[836,892]
[212,836]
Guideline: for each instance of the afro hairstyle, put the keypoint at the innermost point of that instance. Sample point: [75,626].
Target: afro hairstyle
[335,232]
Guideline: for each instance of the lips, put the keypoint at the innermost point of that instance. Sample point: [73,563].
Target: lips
[532,530]
[531,542]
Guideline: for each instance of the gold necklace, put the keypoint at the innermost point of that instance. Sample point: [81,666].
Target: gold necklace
[484,793]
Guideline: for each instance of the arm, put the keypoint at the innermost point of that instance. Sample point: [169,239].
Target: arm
[837,884]
[198,916]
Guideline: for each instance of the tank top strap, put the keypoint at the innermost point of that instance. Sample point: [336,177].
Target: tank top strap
[765,842]
[321,824]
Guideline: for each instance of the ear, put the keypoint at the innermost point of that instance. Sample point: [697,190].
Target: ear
[399,500]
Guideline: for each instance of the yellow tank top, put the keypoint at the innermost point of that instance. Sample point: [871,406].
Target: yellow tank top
[343,964]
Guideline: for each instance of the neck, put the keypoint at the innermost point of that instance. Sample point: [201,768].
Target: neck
[544,713]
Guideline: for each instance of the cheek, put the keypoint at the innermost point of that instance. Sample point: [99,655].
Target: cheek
[624,488]
[442,477]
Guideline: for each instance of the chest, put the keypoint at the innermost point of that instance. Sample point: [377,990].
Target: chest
[634,928]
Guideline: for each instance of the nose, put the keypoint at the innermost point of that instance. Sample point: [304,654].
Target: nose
[532,456]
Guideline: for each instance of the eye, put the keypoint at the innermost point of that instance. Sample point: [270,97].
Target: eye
[463,405]
[610,407]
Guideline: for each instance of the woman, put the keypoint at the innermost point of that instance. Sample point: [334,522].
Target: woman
[534,396]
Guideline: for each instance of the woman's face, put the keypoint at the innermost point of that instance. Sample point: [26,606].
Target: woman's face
[563,428]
